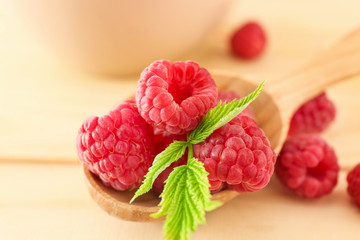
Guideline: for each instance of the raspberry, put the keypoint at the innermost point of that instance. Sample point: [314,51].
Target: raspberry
[174,97]
[353,179]
[314,116]
[248,41]
[228,96]
[237,155]
[117,147]
[307,166]
[162,141]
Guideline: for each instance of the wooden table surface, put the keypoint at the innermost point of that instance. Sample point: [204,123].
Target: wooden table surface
[43,103]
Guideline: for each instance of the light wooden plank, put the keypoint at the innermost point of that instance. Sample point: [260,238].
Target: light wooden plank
[43,102]
[44,117]
[51,202]
[344,134]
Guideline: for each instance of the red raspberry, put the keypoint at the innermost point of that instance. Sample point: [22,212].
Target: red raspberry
[175,96]
[228,96]
[353,179]
[162,141]
[314,116]
[248,41]
[238,155]
[117,147]
[307,166]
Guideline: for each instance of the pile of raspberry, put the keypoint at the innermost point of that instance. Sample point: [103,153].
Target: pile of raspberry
[307,165]
[171,100]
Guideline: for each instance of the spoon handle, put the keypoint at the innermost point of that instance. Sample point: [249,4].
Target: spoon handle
[331,66]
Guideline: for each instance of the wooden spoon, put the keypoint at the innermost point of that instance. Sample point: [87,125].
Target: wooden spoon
[273,109]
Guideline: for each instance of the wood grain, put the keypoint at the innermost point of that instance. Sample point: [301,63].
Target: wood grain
[55,205]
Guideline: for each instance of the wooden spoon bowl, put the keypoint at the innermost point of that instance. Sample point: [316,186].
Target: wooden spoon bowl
[273,109]
[117,204]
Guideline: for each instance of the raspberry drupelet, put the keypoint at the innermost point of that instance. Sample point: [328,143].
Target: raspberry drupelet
[353,180]
[307,166]
[117,146]
[237,156]
[174,97]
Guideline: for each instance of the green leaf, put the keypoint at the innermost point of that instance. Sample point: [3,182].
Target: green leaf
[220,115]
[164,159]
[185,199]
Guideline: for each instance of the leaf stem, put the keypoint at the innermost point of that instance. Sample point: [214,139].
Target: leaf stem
[190,152]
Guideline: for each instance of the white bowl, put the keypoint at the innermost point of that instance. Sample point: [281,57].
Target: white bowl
[121,36]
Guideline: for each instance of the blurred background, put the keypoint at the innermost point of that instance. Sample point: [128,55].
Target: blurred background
[62,61]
